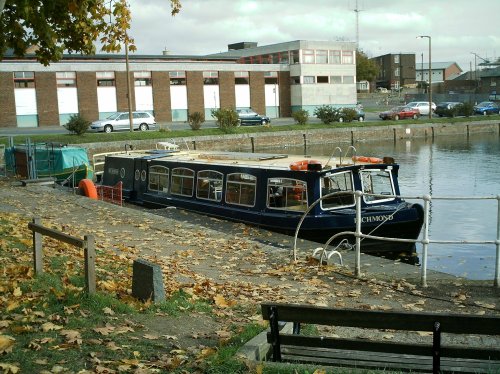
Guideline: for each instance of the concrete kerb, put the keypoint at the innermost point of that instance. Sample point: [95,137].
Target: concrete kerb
[258,349]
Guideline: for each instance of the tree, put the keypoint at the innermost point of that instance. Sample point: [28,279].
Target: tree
[57,26]
[366,69]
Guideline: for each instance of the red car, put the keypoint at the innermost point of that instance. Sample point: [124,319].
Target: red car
[400,112]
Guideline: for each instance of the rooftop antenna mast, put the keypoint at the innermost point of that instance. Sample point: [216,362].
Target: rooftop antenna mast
[357,10]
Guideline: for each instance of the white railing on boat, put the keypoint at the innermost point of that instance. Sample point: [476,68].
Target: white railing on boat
[425,241]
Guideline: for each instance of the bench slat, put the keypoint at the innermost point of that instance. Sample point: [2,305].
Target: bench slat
[368,360]
[408,321]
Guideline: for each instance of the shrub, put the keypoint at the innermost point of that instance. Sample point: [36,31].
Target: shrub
[195,120]
[300,116]
[226,119]
[327,114]
[348,114]
[77,124]
[465,109]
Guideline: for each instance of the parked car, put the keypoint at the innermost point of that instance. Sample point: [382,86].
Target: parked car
[359,116]
[249,117]
[120,121]
[400,112]
[422,106]
[486,107]
[448,109]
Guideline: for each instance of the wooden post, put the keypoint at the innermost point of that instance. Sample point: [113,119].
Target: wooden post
[89,252]
[37,249]
[253,145]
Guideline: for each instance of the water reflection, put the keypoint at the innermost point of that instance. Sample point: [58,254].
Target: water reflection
[445,166]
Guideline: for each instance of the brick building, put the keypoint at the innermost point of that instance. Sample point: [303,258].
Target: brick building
[396,70]
[274,80]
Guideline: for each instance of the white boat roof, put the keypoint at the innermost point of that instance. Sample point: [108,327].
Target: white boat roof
[247,159]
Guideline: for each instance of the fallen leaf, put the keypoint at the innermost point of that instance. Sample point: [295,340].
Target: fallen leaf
[9,369]
[6,343]
[49,326]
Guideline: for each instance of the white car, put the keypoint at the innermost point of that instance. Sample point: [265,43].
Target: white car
[422,106]
[119,121]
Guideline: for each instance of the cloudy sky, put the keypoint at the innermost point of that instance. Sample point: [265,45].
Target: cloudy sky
[458,28]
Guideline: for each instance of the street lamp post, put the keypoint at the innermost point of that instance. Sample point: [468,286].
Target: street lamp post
[430,73]
[129,89]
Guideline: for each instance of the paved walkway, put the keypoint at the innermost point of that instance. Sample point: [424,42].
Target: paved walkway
[243,260]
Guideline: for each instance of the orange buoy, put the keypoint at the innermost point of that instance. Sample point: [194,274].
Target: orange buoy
[371,160]
[304,165]
[87,188]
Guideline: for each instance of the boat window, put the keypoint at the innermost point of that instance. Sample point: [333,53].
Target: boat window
[337,183]
[182,182]
[240,189]
[209,185]
[377,182]
[286,194]
[158,179]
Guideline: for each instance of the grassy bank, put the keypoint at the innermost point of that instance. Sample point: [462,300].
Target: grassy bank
[166,133]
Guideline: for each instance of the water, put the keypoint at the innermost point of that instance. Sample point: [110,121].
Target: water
[446,166]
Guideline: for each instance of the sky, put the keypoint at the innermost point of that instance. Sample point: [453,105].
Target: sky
[458,28]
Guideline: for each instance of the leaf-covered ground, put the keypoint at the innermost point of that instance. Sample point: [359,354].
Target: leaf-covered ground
[214,281]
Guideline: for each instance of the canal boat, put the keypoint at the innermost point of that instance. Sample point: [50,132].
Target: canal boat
[65,164]
[273,191]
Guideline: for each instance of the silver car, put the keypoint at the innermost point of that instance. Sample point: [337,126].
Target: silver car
[119,121]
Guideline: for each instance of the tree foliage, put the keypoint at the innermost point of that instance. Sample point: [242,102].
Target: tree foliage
[366,69]
[72,26]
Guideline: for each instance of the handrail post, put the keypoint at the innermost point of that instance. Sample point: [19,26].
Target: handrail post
[89,252]
[425,240]
[357,263]
[37,249]
[497,244]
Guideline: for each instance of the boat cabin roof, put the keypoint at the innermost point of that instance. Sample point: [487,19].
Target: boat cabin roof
[245,159]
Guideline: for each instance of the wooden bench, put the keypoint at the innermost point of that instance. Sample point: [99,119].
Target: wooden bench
[405,355]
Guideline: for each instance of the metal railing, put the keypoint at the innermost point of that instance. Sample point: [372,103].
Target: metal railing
[425,241]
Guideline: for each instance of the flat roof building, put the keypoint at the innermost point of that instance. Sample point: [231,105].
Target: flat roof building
[274,80]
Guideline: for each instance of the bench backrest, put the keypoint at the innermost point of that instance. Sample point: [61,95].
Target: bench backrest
[408,321]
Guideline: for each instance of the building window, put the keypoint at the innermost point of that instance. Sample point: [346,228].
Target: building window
[241,77]
[286,194]
[321,56]
[334,57]
[322,79]
[309,79]
[240,189]
[275,58]
[210,77]
[336,79]
[284,59]
[142,78]
[158,179]
[294,80]
[271,77]
[177,78]
[182,182]
[396,59]
[209,185]
[347,57]
[294,57]
[24,79]
[348,79]
[396,72]
[308,56]
[66,79]
[105,78]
